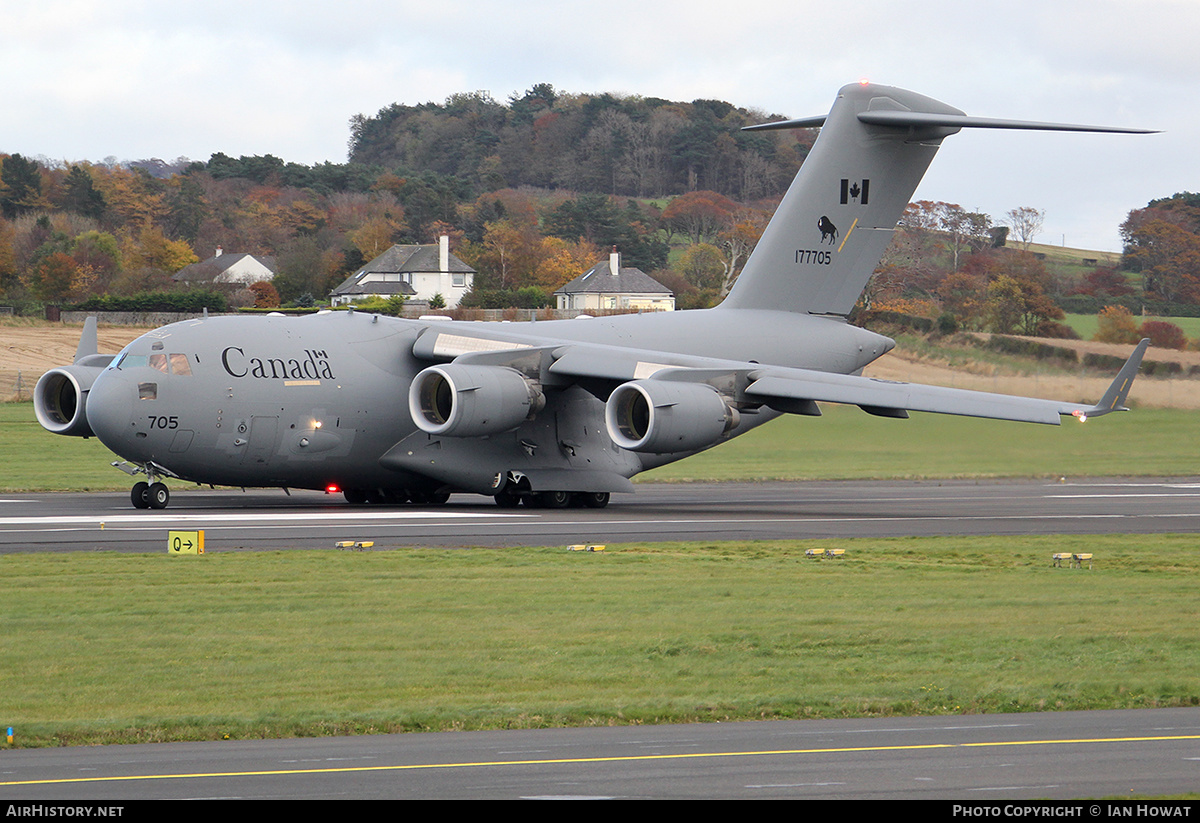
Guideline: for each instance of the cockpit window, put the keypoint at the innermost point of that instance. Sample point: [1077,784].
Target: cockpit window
[180,365]
[174,363]
[131,361]
[147,391]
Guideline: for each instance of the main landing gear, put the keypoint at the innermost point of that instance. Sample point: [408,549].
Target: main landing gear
[421,497]
[552,500]
[516,491]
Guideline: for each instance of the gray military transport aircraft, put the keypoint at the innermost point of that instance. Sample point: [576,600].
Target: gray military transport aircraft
[552,413]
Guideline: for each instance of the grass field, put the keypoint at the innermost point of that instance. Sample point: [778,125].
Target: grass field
[1087,325]
[108,647]
[845,443]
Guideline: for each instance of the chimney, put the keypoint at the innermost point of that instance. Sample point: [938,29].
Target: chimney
[444,253]
[220,251]
[614,262]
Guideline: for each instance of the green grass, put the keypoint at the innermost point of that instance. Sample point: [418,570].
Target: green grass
[845,443]
[1088,325]
[105,647]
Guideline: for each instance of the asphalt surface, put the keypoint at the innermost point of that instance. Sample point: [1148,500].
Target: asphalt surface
[980,759]
[269,519]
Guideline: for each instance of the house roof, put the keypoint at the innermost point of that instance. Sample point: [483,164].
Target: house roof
[400,260]
[215,266]
[599,280]
[380,287]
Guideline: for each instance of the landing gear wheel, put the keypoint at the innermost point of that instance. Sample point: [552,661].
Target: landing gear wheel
[553,500]
[355,496]
[159,496]
[594,500]
[424,498]
[139,495]
[506,500]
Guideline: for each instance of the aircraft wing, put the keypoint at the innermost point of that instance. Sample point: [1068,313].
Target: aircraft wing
[790,390]
[794,390]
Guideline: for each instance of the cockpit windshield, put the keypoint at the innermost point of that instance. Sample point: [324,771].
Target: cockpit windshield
[174,363]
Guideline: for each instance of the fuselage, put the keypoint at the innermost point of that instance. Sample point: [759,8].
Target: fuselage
[317,401]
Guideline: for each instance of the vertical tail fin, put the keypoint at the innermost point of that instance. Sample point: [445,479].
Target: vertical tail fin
[88,343]
[836,220]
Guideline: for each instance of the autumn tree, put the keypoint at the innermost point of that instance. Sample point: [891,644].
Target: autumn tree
[1017,291]
[152,249]
[53,277]
[699,215]
[1105,283]
[738,241]
[265,295]
[1025,223]
[1168,256]
[1116,325]
[1163,334]
[703,265]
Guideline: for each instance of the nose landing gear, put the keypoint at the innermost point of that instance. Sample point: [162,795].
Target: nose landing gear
[150,493]
[145,495]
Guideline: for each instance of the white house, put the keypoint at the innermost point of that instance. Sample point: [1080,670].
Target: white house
[418,272]
[229,268]
[608,286]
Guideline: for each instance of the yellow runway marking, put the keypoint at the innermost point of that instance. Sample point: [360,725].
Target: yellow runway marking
[614,759]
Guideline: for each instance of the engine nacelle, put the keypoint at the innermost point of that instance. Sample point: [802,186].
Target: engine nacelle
[664,417]
[472,401]
[60,399]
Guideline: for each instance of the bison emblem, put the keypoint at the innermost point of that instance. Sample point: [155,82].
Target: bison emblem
[828,230]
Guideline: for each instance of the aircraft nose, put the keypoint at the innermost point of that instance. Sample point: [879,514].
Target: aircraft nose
[110,411]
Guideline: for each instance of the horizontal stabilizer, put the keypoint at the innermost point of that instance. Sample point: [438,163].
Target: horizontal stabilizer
[798,123]
[921,119]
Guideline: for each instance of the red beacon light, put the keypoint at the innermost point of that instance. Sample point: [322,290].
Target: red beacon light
[332,488]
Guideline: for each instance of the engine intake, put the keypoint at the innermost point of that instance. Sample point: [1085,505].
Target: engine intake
[664,417]
[60,399]
[472,401]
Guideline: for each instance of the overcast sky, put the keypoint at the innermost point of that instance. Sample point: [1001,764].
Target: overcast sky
[84,80]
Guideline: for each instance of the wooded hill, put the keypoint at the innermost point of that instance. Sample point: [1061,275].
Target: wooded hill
[631,146]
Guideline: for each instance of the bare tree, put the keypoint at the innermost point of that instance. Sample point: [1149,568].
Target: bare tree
[1026,224]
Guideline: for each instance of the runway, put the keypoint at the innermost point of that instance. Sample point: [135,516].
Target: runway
[271,520]
[978,760]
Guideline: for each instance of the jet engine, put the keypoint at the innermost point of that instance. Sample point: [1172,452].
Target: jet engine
[663,417]
[60,399]
[472,401]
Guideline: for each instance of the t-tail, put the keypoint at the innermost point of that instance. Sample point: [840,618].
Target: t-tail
[838,216]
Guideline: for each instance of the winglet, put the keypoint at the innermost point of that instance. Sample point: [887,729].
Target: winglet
[1114,399]
[88,344]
